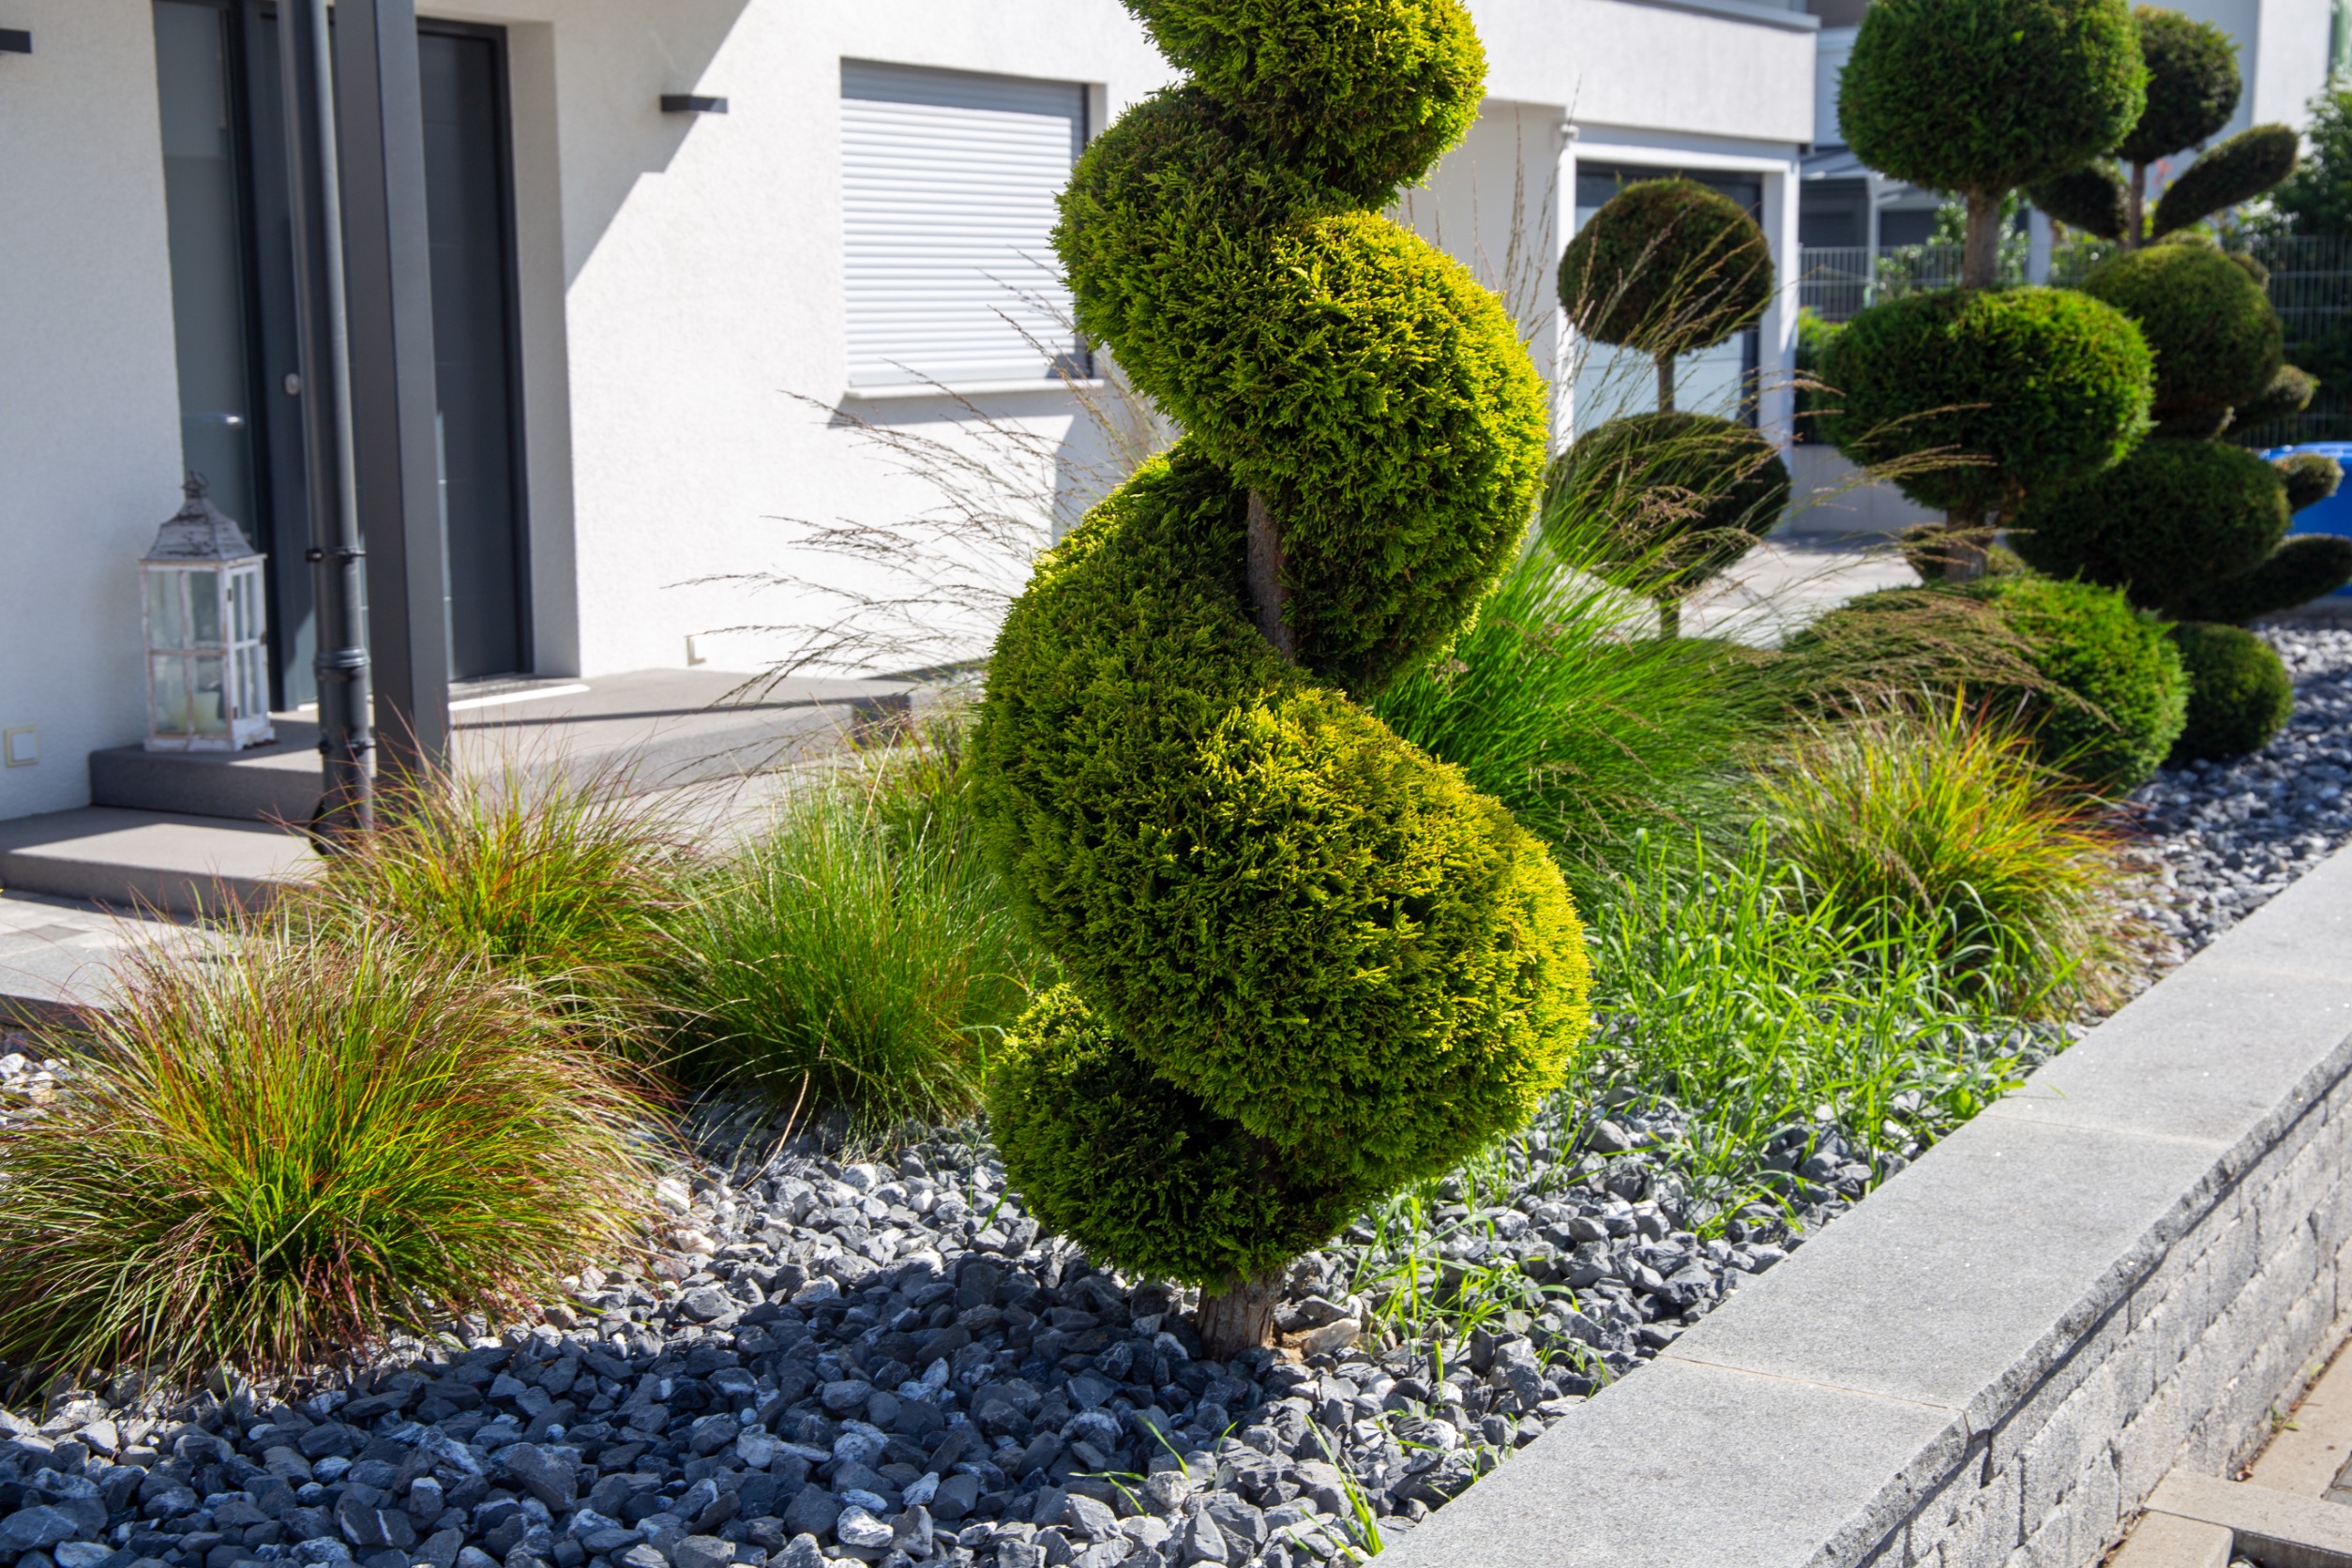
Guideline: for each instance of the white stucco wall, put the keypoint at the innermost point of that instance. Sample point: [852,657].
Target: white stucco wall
[89,404]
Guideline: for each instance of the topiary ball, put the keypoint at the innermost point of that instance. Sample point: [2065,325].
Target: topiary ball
[1989,95]
[2289,393]
[2310,477]
[2168,521]
[1684,494]
[1667,267]
[2096,684]
[2193,84]
[2210,325]
[1984,390]
[2238,170]
[2090,198]
[2117,692]
[2239,693]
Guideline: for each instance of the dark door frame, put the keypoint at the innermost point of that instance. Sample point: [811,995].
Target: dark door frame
[280,512]
[509,248]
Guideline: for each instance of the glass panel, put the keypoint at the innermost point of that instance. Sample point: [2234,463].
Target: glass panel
[199,188]
[208,710]
[168,682]
[204,609]
[167,625]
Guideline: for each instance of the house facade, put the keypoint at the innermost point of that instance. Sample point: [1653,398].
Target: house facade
[683,256]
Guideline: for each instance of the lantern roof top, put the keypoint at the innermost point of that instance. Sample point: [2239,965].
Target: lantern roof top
[200,531]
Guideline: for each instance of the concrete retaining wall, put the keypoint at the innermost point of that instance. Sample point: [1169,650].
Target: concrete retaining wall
[2119,1269]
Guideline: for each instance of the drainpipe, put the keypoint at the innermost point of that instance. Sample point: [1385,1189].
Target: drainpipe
[338,593]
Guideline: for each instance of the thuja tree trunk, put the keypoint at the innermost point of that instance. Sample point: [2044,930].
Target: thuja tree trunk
[1666,383]
[1963,545]
[2135,208]
[1266,592]
[1981,257]
[1238,1318]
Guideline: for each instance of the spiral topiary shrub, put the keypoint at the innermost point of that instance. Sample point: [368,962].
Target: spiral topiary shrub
[1668,268]
[1304,962]
[1684,496]
[1967,396]
[2208,322]
[2168,522]
[2239,697]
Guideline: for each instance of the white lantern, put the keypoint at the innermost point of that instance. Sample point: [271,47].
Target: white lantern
[208,676]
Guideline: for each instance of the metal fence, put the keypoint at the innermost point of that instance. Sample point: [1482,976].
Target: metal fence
[2310,285]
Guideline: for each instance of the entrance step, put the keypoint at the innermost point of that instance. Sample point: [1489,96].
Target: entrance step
[656,728]
[176,863]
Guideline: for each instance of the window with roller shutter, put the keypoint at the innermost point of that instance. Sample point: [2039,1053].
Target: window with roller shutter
[948,186]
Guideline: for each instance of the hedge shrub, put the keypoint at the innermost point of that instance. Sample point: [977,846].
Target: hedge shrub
[1989,95]
[1985,389]
[2169,522]
[2209,324]
[2239,692]
[1305,960]
[1669,267]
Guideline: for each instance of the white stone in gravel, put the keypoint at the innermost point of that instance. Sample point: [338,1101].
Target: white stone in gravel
[1331,1338]
[857,1527]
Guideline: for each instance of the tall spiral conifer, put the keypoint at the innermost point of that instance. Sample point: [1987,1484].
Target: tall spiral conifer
[1305,962]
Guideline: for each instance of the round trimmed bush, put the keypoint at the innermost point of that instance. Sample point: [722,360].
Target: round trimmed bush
[2093,198]
[2310,477]
[1308,960]
[2209,324]
[1667,267]
[2239,169]
[2098,685]
[2289,393]
[2117,695]
[2239,693]
[2193,84]
[1989,95]
[2164,525]
[1987,389]
[1684,494]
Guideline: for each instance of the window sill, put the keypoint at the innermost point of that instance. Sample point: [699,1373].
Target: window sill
[1746,10]
[966,389]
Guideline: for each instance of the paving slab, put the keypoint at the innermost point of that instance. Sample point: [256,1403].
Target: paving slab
[2278,1529]
[147,860]
[1729,1470]
[57,955]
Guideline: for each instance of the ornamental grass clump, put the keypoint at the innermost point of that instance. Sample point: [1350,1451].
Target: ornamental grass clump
[1307,963]
[843,961]
[563,885]
[1937,820]
[282,1152]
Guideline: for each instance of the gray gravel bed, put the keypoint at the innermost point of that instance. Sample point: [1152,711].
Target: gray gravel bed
[2231,835]
[831,1363]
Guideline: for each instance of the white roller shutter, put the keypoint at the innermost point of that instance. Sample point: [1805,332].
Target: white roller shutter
[948,183]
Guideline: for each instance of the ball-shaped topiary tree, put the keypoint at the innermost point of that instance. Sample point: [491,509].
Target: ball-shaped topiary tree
[1981,96]
[2239,693]
[1683,495]
[1668,268]
[1304,962]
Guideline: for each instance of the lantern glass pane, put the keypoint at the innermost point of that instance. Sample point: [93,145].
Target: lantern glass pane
[208,712]
[203,608]
[168,674]
[167,627]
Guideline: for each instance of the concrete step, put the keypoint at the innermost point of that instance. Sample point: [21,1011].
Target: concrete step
[654,729]
[176,863]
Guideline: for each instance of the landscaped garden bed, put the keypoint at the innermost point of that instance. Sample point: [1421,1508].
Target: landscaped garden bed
[1362,983]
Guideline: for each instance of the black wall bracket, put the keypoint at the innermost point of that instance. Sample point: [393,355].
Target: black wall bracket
[15,40]
[686,103]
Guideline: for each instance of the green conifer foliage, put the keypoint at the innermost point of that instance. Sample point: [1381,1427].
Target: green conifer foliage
[1305,962]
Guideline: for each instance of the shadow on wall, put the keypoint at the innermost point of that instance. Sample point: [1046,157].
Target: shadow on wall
[619,57]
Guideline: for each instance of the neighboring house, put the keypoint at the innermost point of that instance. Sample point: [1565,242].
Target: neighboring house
[653,330]
[2287,53]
